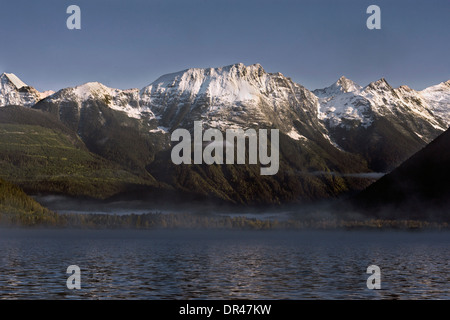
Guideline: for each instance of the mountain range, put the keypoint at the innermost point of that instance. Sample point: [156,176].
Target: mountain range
[333,141]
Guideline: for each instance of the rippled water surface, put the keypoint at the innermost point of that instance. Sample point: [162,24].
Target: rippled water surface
[223,264]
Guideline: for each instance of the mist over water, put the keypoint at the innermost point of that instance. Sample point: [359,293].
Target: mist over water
[63,204]
[201,264]
[366,175]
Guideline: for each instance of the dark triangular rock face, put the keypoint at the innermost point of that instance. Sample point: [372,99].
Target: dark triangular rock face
[417,189]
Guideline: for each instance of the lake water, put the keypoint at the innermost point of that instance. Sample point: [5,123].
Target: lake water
[198,264]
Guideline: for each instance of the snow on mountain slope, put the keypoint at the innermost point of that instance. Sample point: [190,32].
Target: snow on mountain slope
[15,80]
[121,100]
[343,85]
[380,123]
[345,103]
[244,96]
[46,93]
[229,97]
[409,99]
[438,99]
[14,91]
[343,100]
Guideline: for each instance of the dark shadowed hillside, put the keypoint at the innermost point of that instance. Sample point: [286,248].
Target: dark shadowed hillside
[41,155]
[18,208]
[417,189]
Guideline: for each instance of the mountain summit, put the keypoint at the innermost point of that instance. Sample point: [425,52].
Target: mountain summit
[343,85]
[383,124]
[14,91]
[84,95]
[438,99]
[230,97]
[12,79]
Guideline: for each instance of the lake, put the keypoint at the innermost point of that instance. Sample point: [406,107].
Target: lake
[202,264]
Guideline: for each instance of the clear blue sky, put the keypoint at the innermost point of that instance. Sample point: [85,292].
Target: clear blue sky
[128,44]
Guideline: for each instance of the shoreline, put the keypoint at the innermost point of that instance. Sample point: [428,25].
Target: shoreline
[190,221]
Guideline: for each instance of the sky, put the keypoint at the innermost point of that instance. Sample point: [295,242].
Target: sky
[129,44]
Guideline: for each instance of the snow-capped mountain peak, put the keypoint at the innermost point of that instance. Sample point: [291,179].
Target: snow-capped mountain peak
[380,84]
[13,79]
[14,91]
[346,85]
[91,90]
[342,85]
[228,97]
[400,102]
[121,100]
[347,104]
[341,101]
[232,83]
[438,99]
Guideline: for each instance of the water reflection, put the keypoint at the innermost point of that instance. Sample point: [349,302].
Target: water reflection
[223,265]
